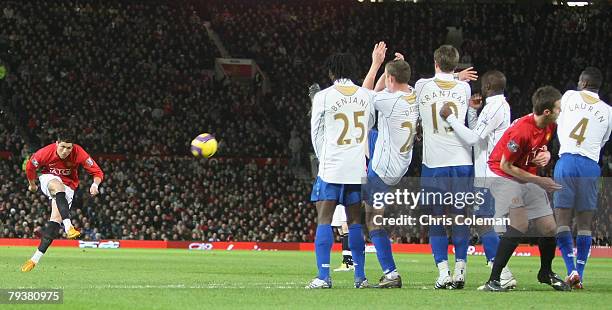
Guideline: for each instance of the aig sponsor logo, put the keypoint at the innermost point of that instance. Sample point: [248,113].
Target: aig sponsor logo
[98,244]
[59,171]
[201,246]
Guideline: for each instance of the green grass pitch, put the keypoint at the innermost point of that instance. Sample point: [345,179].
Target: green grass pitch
[181,279]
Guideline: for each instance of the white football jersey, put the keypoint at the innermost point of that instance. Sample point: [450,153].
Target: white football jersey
[398,114]
[342,115]
[441,147]
[584,124]
[491,125]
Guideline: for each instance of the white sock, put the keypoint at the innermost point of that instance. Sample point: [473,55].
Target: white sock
[67,224]
[506,273]
[443,268]
[460,265]
[37,255]
[392,275]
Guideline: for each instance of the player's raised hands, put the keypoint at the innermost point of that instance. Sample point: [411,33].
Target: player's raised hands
[399,56]
[468,74]
[548,184]
[313,90]
[379,52]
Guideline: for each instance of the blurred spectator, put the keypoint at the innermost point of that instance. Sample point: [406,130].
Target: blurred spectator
[295,146]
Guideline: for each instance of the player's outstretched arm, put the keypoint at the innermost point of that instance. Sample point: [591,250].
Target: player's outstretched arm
[94,189]
[521,175]
[317,123]
[378,57]
[467,75]
[32,187]
[465,134]
[35,161]
[313,89]
[92,169]
[380,84]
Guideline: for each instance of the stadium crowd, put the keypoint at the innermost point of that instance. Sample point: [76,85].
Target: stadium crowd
[136,79]
[152,198]
[127,78]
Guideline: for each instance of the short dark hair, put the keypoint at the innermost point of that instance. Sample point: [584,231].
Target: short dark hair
[592,76]
[544,98]
[447,58]
[342,66]
[496,79]
[399,69]
[67,137]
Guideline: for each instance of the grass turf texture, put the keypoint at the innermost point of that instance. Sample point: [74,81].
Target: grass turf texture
[161,279]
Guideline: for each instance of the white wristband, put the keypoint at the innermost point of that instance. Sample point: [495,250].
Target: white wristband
[94,185]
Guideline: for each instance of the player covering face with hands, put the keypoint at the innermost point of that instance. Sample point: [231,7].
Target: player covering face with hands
[58,164]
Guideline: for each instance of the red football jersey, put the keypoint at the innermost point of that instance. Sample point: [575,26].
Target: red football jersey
[47,160]
[520,144]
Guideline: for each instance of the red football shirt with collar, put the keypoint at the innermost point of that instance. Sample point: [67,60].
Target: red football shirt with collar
[520,144]
[47,160]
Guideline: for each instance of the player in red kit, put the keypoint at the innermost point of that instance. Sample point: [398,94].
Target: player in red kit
[520,194]
[58,164]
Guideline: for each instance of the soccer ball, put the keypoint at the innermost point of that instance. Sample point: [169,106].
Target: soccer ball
[204,145]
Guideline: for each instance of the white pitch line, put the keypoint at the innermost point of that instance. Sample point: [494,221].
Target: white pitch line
[287,285]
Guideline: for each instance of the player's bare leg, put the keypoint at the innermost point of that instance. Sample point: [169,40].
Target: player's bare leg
[357,243]
[547,227]
[48,234]
[390,278]
[58,191]
[323,243]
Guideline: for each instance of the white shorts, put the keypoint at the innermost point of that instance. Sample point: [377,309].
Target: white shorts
[44,186]
[339,216]
[512,194]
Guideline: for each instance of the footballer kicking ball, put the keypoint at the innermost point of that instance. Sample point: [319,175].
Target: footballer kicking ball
[204,145]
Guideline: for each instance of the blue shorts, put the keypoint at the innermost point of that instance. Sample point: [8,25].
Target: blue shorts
[579,177]
[346,194]
[487,208]
[456,180]
[375,189]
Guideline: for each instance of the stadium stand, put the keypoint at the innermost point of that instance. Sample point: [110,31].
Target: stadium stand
[135,79]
